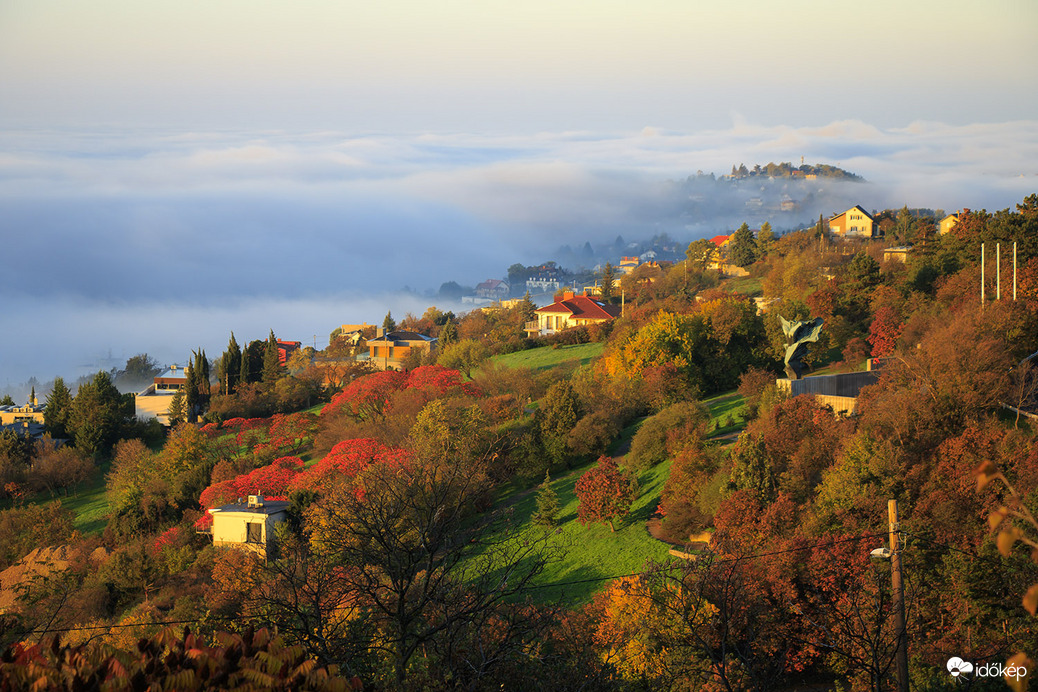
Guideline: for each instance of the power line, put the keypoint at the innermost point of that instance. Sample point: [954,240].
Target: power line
[751,556]
[574,582]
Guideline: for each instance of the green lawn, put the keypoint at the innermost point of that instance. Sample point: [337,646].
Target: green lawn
[567,358]
[591,552]
[725,407]
[747,285]
[88,505]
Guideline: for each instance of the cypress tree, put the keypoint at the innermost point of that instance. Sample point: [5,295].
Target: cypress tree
[191,391]
[243,369]
[608,276]
[230,366]
[271,367]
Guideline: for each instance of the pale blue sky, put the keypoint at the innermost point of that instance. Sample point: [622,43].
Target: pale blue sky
[500,66]
[293,139]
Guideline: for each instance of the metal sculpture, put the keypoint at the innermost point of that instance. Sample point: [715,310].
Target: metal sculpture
[798,334]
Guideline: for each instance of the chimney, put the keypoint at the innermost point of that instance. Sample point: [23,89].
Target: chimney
[379,332]
[567,295]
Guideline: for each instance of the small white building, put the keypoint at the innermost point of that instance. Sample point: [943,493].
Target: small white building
[154,401]
[248,525]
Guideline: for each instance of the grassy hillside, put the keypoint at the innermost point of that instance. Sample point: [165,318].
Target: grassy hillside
[591,552]
[567,358]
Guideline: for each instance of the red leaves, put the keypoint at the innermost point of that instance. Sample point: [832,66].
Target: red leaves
[605,492]
[371,395]
[346,460]
[884,331]
[267,480]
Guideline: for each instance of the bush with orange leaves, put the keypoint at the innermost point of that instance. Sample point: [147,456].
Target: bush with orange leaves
[253,660]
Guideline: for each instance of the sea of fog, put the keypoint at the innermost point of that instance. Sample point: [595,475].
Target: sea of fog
[114,243]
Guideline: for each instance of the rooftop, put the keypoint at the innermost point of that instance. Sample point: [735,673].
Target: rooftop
[268,507]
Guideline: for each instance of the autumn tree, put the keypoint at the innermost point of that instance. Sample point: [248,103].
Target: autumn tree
[463,355]
[431,572]
[700,253]
[605,492]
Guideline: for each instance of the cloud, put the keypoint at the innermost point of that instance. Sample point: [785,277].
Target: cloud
[203,220]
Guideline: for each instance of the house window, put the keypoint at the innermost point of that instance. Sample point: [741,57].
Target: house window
[253,533]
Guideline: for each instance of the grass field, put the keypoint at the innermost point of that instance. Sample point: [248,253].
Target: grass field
[567,358]
[727,413]
[88,505]
[591,552]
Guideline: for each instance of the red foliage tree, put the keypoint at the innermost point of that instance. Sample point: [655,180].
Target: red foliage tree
[605,492]
[884,331]
[345,461]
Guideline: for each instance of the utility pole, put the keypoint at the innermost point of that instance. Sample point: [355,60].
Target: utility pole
[898,586]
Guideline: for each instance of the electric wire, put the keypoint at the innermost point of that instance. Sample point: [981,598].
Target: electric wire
[573,582]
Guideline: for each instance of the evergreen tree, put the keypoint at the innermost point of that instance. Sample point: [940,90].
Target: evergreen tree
[820,229]
[448,335]
[389,324]
[765,239]
[176,408]
[527,308]
[56,410]
[202,376]
[547,514]
[32,396]
[557,414]
[742,249]
[271,366]
[98,413]
[191,406]
[608,277]
[243,368]
[230,366]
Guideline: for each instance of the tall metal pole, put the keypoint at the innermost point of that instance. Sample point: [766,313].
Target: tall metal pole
[1014,270]
[898,586]
[982,275]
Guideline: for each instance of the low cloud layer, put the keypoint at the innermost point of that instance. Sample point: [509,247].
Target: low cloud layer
[161,242]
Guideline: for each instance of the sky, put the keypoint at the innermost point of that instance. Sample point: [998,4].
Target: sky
[170,171]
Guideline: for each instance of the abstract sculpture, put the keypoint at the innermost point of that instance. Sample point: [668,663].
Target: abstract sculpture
[798,334]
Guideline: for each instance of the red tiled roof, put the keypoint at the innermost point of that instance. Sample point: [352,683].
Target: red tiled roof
[583,308]
[718,240]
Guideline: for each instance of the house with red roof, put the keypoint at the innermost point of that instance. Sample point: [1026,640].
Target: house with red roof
[570,311]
